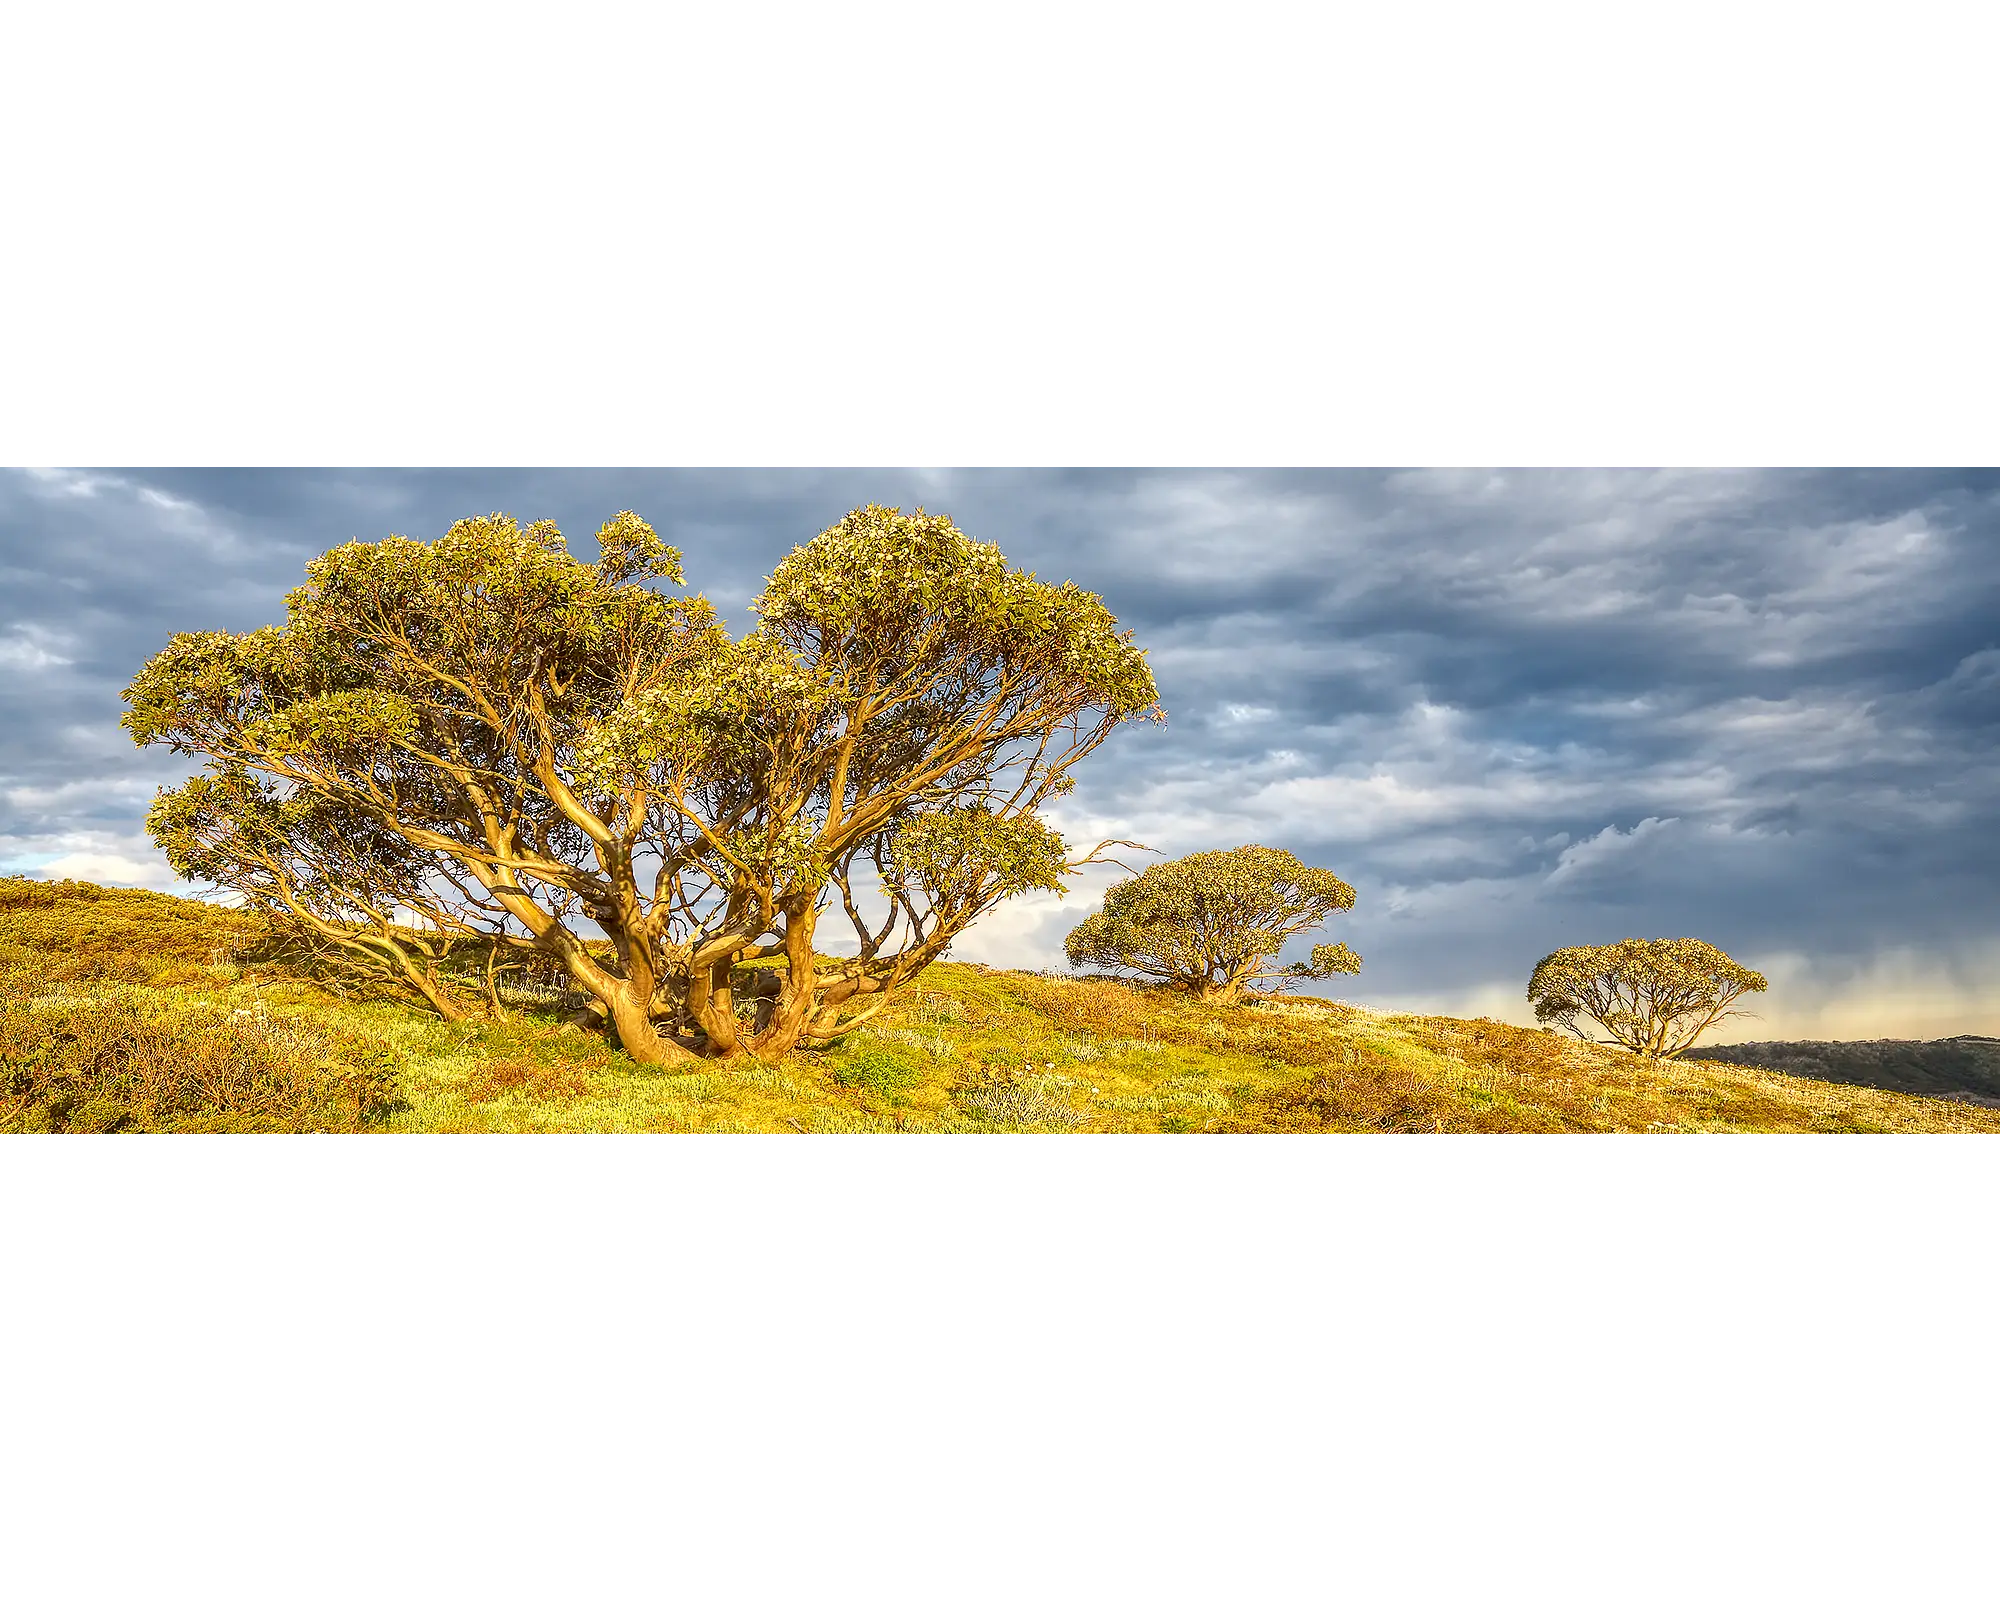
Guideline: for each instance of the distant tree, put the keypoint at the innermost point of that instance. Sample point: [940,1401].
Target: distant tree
[1653,996]
[477,744]
[1209,924]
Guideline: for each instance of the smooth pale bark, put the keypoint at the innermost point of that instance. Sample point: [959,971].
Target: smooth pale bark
[793,1006]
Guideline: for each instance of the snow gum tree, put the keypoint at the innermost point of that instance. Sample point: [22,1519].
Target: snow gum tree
[1653,996]
[486,743]
[1211,924]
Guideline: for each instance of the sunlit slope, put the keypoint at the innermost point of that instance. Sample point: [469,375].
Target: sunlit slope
[111,1000]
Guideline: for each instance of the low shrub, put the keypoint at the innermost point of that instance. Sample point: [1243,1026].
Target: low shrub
[875,1072]
[541,1080]
[1026,1100]
[1337,1099]
[1102,1005]
[114,1063]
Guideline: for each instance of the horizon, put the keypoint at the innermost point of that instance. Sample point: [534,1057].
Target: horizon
[1516,710]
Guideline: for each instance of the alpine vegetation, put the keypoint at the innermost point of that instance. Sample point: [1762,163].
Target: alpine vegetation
[457,758]
[122,1010]
[1653,996]
[1211,924]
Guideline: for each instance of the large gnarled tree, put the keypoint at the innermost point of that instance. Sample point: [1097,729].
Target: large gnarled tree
[485,742]
[1212,924]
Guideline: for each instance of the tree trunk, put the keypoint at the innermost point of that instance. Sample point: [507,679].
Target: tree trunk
[795,1004]
[628,1015]
[712,1004]
[643,1042]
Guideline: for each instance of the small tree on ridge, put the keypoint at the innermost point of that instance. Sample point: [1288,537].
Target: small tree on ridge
[1211,923]
[1653,996]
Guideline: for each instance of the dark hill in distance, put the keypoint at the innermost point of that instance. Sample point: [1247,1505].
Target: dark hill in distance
[1966,1067]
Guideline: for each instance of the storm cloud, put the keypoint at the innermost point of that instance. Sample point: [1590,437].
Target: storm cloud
[1516,709]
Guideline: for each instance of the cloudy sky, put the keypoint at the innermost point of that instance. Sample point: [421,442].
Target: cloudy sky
[1517,710]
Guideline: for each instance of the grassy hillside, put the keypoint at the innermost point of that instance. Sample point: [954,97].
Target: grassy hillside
[123,1010]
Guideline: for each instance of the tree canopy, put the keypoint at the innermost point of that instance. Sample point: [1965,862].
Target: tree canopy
[485,743]
[1653,996]
[1212,923]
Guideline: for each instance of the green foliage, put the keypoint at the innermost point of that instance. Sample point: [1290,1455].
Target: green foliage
[489,602]
[1210,922]
[704,723]
[912,593]
[397,652]
[629,551]
[1326,961]
[968,851]
[1653,996]
[889,1076]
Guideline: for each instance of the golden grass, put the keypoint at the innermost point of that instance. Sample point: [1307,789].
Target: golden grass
[966,1050]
